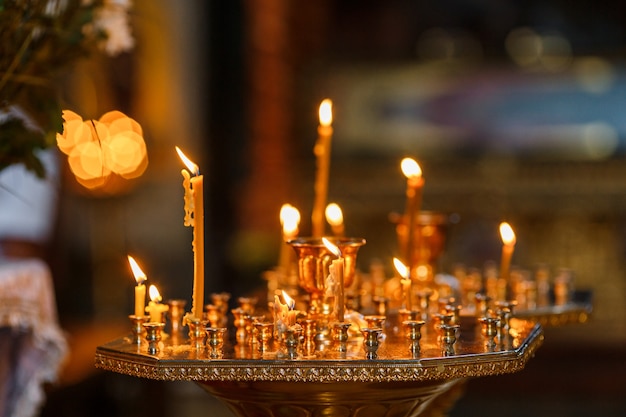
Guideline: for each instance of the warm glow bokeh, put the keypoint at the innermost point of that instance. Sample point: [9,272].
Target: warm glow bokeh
[334,215]
[289,219]
[410,168]
[507,234]
[326,112]
[97,149]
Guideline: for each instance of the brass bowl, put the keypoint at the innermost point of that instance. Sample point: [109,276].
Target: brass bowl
[314,260]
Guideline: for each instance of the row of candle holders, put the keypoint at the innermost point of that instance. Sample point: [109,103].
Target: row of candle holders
[321,337]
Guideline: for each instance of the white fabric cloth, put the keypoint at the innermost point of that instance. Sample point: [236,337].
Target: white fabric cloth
[28,203]
[32,345]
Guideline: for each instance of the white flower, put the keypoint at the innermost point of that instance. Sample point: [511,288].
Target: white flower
[113,20]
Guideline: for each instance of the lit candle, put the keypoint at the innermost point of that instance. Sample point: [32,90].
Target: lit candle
[194,217]
[155,308]
[322,152]
[140,288]
[334,217]
[508,245]
[415,182]
[337,270]
[405,281]
[290,318]
[289,219]
[284,314]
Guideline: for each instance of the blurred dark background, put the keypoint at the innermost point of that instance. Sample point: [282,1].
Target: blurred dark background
[514,110]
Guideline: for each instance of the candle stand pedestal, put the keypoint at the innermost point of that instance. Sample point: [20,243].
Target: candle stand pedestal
[265,383]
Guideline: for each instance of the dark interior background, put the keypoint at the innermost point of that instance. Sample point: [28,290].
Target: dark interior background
[514,110]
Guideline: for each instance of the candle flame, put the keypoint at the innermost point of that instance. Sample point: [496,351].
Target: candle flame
[334,215]
[188,162]
[140,277]
[507,234]
[332,247]
[154,294]
[410,168]
[326,112]
[290,219]
[402,269]
[291,303]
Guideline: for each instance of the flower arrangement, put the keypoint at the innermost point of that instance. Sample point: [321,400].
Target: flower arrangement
[39,41]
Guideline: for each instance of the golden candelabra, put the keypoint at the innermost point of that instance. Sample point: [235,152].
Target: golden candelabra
[378,358]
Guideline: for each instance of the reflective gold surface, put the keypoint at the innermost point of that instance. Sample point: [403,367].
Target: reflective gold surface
[398,382]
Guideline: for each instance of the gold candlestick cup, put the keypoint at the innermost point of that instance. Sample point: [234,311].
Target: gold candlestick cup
[314,260]
[138,329]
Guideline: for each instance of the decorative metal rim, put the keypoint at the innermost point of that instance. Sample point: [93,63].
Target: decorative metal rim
[303,370]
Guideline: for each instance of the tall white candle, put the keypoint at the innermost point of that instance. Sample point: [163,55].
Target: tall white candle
[415,183]
[322,152]
[508,246]
[194,216]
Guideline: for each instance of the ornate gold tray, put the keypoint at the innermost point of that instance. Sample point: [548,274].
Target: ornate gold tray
[396,383]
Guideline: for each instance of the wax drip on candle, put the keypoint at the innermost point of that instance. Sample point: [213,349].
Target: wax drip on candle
[337,272]
[140,288]
[194,217]
[284,313]
[322,152]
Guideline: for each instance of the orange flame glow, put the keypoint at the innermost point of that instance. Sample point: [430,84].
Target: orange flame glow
[140,277]
[410,168]
[326,112]
[188,162]
[507,234]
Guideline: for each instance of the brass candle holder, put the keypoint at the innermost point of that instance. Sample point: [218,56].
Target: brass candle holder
[247,304]
[196,333]
[265,336]
[309,331]
[292,340]
[375,321]
[215,341]
[371,341]
[413,332]
[504,312]
[241,323]
[448,338]
[429,238]
[340,336]
[138,330]
[314,260]
[423,297]
[489,331]
[153,336]
[176,313]
[220,300]
[213,315]
[483,302]
[381,305]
